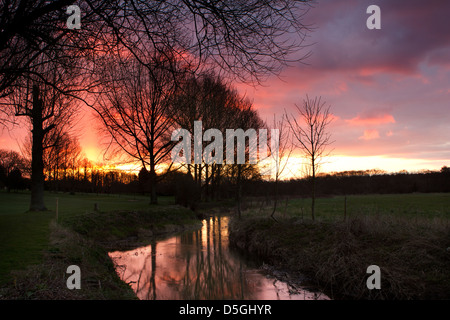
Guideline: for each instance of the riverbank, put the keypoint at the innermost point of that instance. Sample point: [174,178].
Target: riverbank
[84,240]
[406,235]
[413,254]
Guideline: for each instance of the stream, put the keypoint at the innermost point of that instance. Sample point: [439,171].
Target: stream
[199,265]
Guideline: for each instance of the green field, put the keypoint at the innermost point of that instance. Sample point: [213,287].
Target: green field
[24,235]
[406,235]
[413,205]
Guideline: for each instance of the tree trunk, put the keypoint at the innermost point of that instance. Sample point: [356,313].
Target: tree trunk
[275,200]
[153,196]
[207,177]
[239,191]
[37,162]
[313,189]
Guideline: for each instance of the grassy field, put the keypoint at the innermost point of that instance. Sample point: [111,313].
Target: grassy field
[414,205]
[24,235]
[407,236]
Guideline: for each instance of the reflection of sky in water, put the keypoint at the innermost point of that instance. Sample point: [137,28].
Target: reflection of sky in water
[197,265]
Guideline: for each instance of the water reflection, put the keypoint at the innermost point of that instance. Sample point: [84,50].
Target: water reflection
[198,265]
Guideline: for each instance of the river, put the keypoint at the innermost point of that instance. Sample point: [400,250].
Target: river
[200,265]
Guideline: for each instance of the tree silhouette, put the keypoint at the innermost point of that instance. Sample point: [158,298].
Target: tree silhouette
[135,111]
[280,157]
[15,180]
[29,29]
[311,136]
[48,109]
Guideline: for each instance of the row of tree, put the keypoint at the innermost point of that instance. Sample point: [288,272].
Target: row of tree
[354,183]
[71,173]
[128,62]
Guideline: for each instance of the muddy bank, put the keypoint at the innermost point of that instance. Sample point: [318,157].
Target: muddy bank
[334,256]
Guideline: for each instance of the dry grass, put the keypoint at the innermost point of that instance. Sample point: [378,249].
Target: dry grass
[412,254]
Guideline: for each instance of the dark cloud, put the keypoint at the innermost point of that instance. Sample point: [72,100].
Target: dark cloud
[410,32]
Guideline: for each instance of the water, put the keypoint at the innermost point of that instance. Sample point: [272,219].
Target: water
[199,265]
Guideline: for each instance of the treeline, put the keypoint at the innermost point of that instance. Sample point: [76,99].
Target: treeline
[67,171]
[84,176]
[357,182]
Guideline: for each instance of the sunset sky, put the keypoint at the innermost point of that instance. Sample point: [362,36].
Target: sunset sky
[389,89]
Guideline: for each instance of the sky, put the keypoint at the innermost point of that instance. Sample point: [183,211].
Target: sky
[388,88]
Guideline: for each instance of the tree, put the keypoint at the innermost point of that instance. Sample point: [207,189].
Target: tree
[12,165]
[3,177]
[135,112]
[311,136]
[280,156]
[48,109]
[245,117]
[11,160]
[15,180]
[245,40]
[29,29]
[242,39]
[209,99]
[62,157]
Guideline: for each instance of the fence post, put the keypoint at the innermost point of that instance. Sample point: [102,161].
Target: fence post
[56,210]
[345,207]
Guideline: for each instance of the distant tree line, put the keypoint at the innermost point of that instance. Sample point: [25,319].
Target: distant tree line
[358,182]
[70,173]
[79,174]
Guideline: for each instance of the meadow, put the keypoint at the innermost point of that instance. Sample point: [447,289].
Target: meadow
[408,205]
[406,235]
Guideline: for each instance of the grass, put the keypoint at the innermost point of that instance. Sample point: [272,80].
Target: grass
[24,236]
[408,236]
[413,205]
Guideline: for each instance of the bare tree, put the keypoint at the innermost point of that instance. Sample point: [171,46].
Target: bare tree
[48,111]
[135,112]
[279,157]
[311,136]
[29,29]
[243,39]
[219,106]
[246,40]
[11,160]
[207,98]
[246,117]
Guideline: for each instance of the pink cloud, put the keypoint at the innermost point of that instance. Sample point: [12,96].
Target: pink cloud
[370,135]
[371,120]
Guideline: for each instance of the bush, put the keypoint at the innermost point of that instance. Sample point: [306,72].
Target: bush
[187,192]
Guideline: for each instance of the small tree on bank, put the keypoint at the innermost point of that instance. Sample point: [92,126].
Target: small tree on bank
[310,132]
